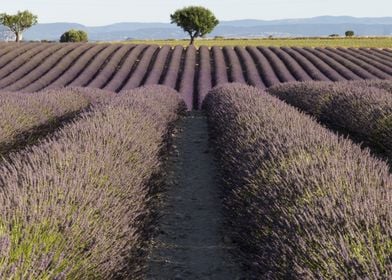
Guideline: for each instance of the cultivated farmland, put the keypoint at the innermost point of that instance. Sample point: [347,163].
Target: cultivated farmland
[122,161]
[357,42]
[193,72]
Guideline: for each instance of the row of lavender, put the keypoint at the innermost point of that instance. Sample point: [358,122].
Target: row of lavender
[303,202]
[25,117]
[78,204]
[116,67]
[361,110]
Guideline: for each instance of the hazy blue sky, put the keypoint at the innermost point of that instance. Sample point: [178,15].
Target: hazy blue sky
[100,12]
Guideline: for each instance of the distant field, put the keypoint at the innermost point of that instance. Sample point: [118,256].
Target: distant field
[114,67]
[377,42]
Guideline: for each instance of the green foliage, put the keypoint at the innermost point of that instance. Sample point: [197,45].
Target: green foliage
[18,23]
[349,33]
[74,36]
[333,42]
[195,20]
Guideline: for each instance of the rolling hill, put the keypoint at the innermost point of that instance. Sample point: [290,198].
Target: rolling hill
[317,26]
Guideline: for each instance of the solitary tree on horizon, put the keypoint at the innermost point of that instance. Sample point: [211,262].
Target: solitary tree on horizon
[197,21]
[349,33]
[18,23]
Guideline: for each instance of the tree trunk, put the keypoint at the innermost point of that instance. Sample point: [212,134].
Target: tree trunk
[192,41]
[18,36]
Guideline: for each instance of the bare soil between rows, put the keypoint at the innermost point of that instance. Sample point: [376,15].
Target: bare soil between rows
[190,243]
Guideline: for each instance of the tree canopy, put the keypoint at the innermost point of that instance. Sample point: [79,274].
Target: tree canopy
[195,20]
[349,33]
[74,36]
[18,23]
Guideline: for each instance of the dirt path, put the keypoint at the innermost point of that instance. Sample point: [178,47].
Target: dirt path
[190,244]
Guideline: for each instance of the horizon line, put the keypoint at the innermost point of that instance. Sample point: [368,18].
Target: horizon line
[223,20]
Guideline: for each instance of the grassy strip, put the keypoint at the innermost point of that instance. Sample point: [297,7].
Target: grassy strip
[303,202]
[25,118]
[76,206]
[364,113]
[357,42]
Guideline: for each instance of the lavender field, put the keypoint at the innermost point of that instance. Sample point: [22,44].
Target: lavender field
[122,161]
[192,72]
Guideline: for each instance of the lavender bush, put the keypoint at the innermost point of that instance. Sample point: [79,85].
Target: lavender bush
[252,74]
[381,84]
[6,48]
[155,73]
[280,68]
[303,202]
[59,69]
[93,95]
[77,67]
[188,77]
[118,67]
[387,52]
[23,116]
[204,82]
[90,72]
[343,67]
[311,69]
[21,59]
[106,73]
[375,56]
[16,51]
[77,205]
[324,67]
[234,64]
[384,51]
[136,78]
[365,113]
[42,68]
[155,97]
[220,68]
[295,68]
[8,77]
[379,69]
[265,68]
[173,70]
[379,54]
[120,75]
[359,66]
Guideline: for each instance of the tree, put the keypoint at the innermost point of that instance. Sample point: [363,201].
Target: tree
[74,36]
[18,23]
[349,33]
[195,20]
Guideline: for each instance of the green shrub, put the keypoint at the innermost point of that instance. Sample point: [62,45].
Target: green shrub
[74,36]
